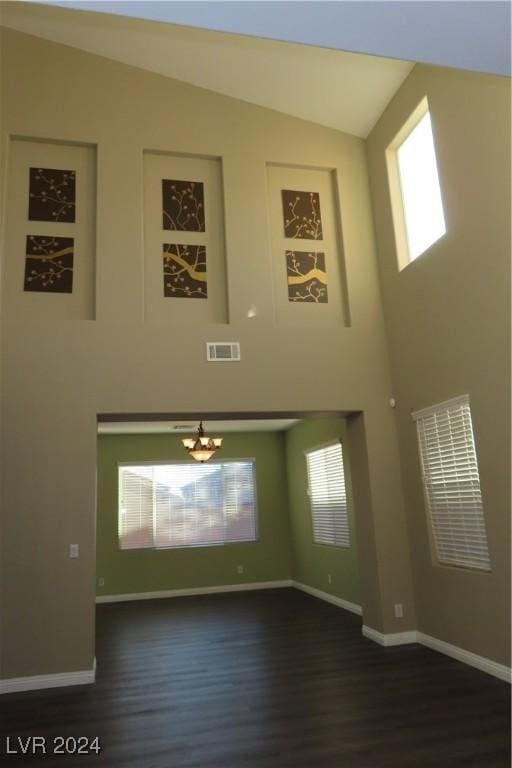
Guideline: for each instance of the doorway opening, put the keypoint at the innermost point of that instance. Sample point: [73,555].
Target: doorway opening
[274,506]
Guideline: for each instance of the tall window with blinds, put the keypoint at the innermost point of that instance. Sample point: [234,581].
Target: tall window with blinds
[186,505]
[327,495]
[452,484]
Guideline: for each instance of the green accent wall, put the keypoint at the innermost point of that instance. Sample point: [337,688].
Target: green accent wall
[135,571]
[312,563]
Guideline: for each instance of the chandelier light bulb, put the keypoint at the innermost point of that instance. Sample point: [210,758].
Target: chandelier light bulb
[201,448]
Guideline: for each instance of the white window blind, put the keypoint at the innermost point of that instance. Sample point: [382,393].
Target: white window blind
[186,505]
[452,484]
[327,495]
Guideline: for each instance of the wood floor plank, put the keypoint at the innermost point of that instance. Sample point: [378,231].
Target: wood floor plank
[271,679]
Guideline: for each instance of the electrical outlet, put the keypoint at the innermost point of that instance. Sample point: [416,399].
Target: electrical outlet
[74,550]
[329,578]
[399,611]
[240,569]
[101,581]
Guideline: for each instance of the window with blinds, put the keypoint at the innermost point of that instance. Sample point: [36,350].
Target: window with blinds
[452,484]
[327,495]
[186,505]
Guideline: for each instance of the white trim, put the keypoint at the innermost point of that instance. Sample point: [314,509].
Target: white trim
[430,409]
[393,638]
[194,591]
[387,640]
[339,601]
[467,657]
[460,654]
[57,680]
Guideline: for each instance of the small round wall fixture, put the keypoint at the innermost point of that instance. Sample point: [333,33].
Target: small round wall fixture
[201,447]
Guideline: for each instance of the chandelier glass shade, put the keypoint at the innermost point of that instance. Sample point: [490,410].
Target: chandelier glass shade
[201,447]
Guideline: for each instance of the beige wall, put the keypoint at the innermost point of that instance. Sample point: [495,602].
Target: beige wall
[447,316]
[58,374]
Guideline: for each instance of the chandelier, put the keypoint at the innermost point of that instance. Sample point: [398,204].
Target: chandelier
[201,447]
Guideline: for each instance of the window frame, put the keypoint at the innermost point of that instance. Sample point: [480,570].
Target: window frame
[313,449]
[165,462]
[403,253]
[433,533]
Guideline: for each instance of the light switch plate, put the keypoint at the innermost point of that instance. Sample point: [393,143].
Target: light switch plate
[74,550]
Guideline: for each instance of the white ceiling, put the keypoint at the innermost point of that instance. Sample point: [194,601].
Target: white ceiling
[468,34]
[345,91]
[187,428]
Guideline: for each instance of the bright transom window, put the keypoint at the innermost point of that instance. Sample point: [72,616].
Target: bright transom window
[421,193]
[186,505]
[327,495]
[452,484]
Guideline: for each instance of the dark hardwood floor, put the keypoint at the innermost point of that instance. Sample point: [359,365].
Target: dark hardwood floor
[272,679]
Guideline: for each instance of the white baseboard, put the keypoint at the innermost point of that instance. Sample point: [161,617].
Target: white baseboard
[348,606]
[387,640]
[394,638]
[57,680]
[194,591]
[467,657]
[460,654]
[88,676]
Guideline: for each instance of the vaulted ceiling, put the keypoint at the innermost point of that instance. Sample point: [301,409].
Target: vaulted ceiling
[328,80]
[468,34]
[340,90]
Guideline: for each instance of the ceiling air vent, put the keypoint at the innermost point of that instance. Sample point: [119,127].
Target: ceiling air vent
[222,351]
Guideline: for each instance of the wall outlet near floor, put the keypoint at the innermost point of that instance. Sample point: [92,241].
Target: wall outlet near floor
[101,581]
[239,569]
[399,611]
[74,550]
[329,578]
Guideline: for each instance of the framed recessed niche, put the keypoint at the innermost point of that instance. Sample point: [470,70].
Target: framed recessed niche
[307,255]
[50,253]
[184,243]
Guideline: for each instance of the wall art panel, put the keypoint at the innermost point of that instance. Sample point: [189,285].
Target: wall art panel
[183,205]
[301,215]
[49,264]
[307,280]
[185,271]
[307,255]
[183,227]
[52,195]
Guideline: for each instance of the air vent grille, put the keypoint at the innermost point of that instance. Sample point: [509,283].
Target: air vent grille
[223,351]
